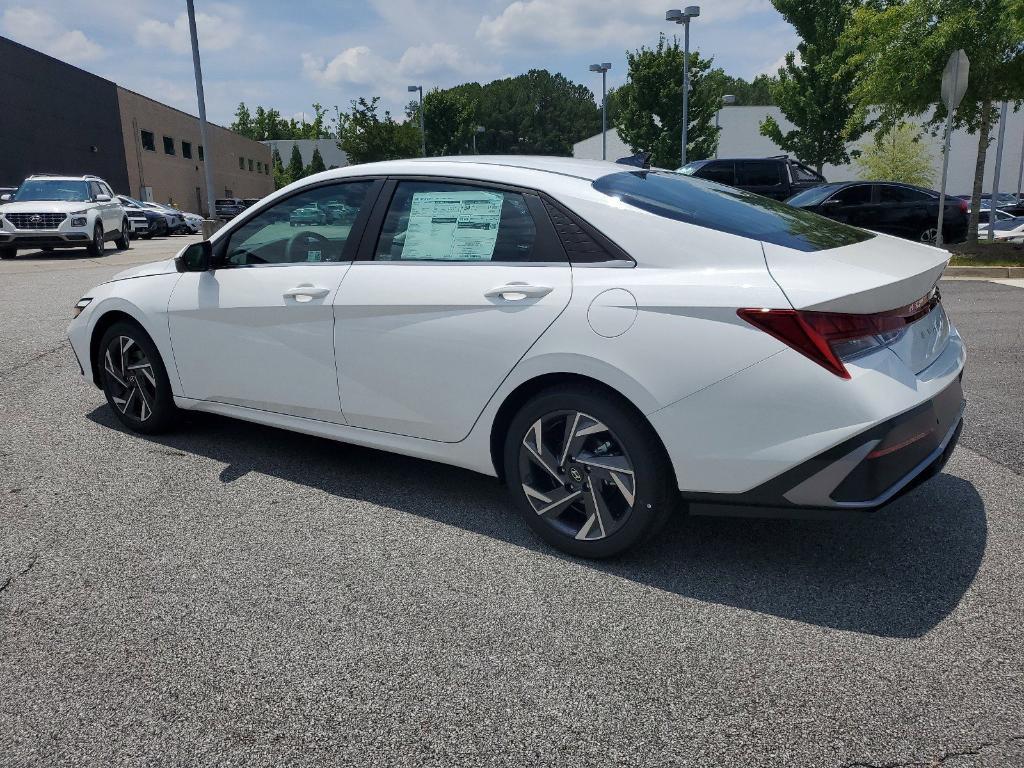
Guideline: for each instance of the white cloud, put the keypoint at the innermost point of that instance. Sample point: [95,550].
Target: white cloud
[39,30]
[217,31]
[357,65]
[435,59]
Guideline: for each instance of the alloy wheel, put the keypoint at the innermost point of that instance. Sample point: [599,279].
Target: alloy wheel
[130,378]
[929,235]
[577,475]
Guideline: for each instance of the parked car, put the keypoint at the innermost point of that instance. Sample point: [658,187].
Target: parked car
[175,218]
[308,214]
[1010,228]
[339,213]
[228,207]
[52,211]
[249,202]
[881,206]
[1005,202]
[778,177]
[145,222]
[609,341]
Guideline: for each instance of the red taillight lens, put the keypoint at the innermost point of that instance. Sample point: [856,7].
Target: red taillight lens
[964,206]
[829,338]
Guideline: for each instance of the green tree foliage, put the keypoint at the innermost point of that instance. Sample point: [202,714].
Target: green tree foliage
[649,109]
[295,168]
[449,119]
[268,125]
[316,163]
[897,155]
[755,93]
[809,91]
[243,121]
[280,176]
[897,52]
[366,137]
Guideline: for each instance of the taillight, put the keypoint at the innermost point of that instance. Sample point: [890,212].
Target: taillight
[964,207]
[832,338]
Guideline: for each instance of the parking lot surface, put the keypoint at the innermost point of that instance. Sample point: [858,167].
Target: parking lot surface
[236,595]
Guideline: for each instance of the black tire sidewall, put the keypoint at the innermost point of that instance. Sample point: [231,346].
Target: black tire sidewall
[164,409]
[656,495]
[8,253]
[122,241]
[93,248]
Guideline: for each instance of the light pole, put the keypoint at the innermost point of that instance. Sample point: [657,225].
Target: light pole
[423,132]
[211,209]
[727,100]
[603,69]
[478,129]
[683,17]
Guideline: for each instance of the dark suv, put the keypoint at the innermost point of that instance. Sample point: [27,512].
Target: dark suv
[778,177]
[228,207]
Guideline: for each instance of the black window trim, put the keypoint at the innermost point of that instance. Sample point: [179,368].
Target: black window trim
[351,244]
[547,238]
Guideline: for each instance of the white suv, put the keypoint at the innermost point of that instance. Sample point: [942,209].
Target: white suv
[50,211]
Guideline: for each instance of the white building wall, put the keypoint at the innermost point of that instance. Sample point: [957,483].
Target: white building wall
[740,137]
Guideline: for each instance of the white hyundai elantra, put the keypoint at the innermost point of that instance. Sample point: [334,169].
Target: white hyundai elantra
[613,342]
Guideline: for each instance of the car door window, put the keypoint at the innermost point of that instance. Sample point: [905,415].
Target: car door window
[803,173]
[438,221]
[312,226]
[758,174]
[94,190]
[720,172]
[891,194]
[859,194]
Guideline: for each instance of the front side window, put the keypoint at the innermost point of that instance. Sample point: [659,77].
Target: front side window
[148,141]
[94,190]
[70,191]
[438,221]
[722,172]
[759,174]
[186,149]
[310,227]
[727,209]
[858,194]
[168,145]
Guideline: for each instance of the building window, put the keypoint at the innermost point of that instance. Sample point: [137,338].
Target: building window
[168,145]
[148,141]
[250,165]
[259,166]
[201,152]
[266,170]
[186,150]
[241,163]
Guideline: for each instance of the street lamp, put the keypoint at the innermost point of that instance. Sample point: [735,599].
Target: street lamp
[683,17]
[727,100]
[603,69]
[478,129]
[423,132]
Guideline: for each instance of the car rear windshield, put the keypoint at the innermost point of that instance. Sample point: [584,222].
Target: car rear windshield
[727,209]
[53,189]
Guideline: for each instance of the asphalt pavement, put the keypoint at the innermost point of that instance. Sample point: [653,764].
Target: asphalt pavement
[231,594]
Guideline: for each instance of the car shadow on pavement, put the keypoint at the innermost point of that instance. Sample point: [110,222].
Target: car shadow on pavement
[894,573]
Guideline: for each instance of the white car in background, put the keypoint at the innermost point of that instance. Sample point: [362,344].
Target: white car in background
[615,343]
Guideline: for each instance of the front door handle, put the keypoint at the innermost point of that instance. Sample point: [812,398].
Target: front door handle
[306,292]
[519,291]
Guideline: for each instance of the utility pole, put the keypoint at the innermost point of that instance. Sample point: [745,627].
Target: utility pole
[423,132]
[683,17]
[211,209]
[994,200]
[603,69]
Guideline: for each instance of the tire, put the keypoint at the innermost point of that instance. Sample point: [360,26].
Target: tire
[928,236]
[135,382]
[8,253]
[123,242]
[95,248]
[631,503]
[163,230]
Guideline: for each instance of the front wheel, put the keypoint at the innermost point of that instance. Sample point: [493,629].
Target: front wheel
[134,379]
[8,253]
[122,240]
[95,248]
[588,474]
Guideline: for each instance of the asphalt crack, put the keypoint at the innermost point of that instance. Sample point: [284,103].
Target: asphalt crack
[10,579]
[33,360]
[939,759]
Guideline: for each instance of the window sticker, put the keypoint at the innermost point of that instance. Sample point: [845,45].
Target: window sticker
[453,226]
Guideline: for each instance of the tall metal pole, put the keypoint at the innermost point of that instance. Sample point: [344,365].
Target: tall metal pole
[211,209]
[994,202]
[423,130]
[604,114]
[945,168]
[1020,171]
[686,86]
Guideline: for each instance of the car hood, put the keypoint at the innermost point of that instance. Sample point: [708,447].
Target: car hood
[44,206]
[146,270]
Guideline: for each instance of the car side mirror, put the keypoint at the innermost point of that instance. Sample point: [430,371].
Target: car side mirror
[5,197]
[102,198]
[198,257]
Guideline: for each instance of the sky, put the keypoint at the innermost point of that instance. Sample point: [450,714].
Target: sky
[288,55]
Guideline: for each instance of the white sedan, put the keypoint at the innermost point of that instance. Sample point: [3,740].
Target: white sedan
[614,343]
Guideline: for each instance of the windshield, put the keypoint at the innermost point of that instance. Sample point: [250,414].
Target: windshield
[812,196]
[53,189]
[727,209]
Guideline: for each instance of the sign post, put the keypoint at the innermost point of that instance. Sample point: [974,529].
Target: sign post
[954,85]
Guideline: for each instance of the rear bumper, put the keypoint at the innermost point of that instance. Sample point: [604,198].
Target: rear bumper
[861,474]
[45,240]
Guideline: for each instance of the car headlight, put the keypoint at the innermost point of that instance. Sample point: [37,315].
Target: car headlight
[81,305]
[79,221]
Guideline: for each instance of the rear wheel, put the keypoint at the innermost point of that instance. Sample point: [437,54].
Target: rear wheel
[122,240]
[95,248]
[134,379]
[589,476]
[929,235]
[8,253]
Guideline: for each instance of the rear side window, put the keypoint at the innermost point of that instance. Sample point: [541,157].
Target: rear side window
[437,221]
[727,209]
[759,174]
[803,173]
[890,194]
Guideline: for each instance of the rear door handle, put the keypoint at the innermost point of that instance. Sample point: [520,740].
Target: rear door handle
[519,291]
[306,292]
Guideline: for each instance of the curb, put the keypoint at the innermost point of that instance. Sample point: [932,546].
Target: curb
[984,272]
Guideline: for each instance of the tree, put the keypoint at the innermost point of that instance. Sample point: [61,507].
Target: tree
[243,121]
[316,163]
[755,93]
[366,138]
[889,39]
[809,91]
[897,155]
[295,169]
[649,106]
[450,119]
[280,176]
